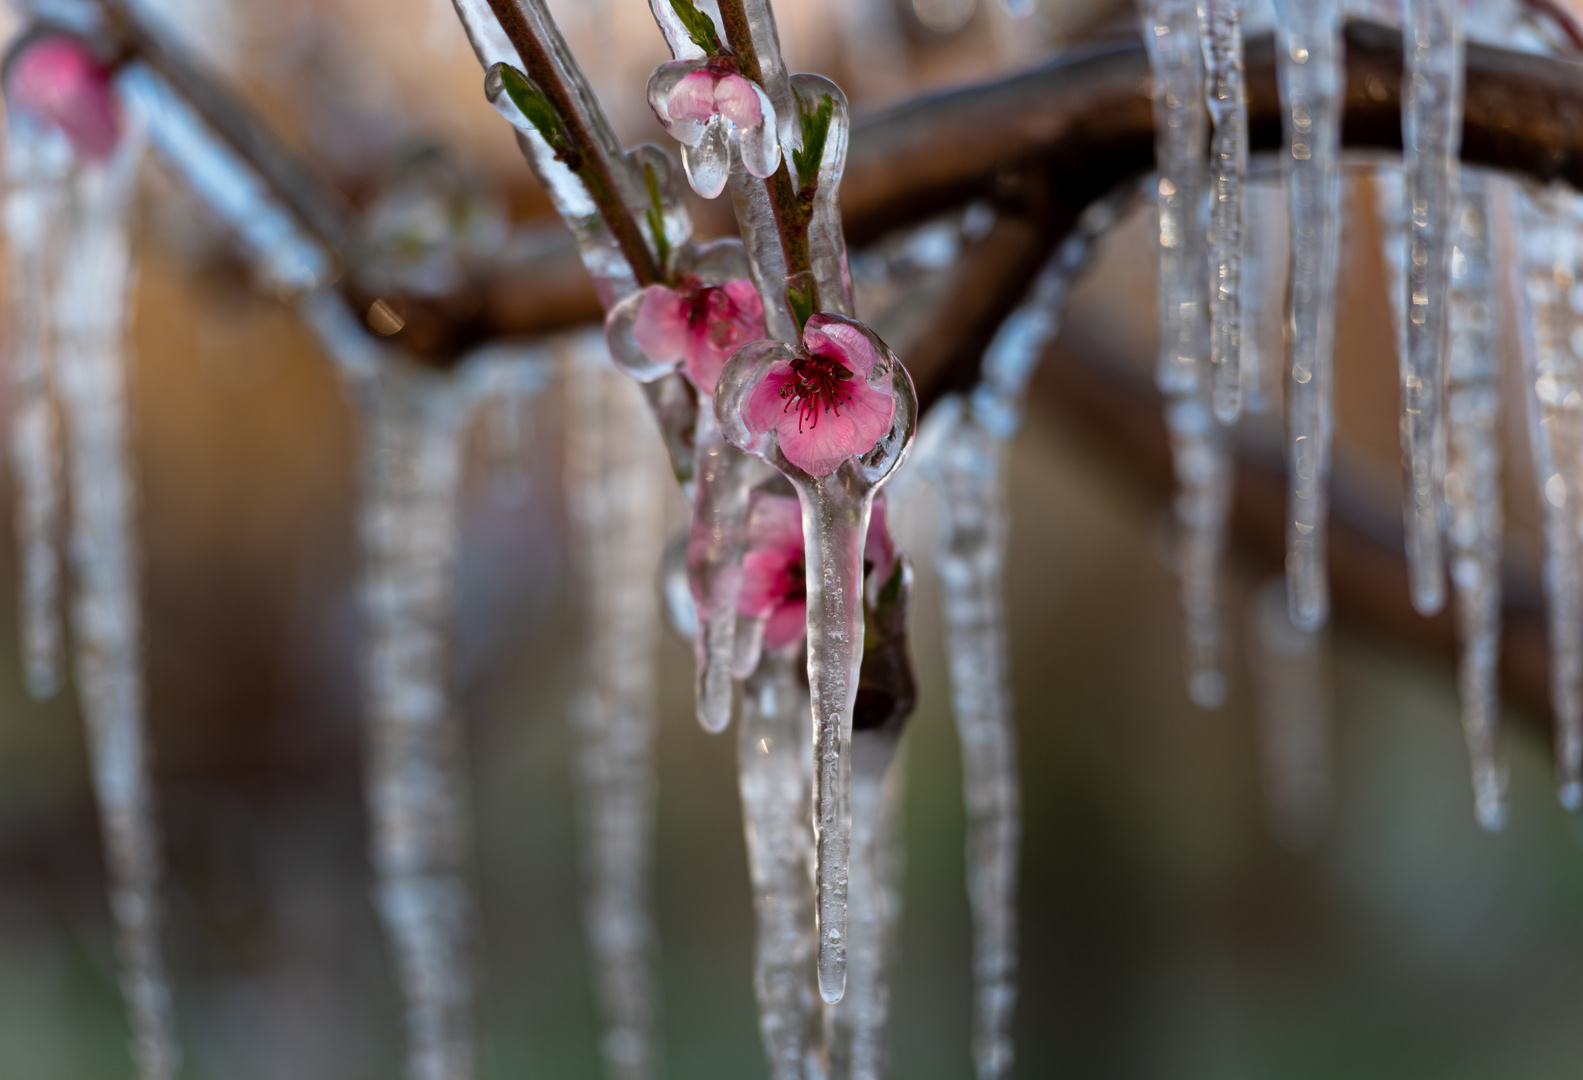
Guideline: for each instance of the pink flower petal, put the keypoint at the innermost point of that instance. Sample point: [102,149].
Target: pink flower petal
[765,407]
[877,545]
[745,295]
[661,326]
[787,625]
[737,100]
[57,79]
[731,318]
[693,97]
[832,336]
[775,523]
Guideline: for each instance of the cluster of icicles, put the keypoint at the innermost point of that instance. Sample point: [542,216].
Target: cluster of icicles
[819,799]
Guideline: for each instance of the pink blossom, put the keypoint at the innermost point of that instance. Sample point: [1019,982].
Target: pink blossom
[698,324]
[57,79]
[713,90]
[774,586]
[819,403]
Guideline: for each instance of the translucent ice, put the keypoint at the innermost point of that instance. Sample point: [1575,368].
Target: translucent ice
[1220,24]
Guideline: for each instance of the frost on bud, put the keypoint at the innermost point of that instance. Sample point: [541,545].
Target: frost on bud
[840,396]
[694,324]
[54,78]
[708,106]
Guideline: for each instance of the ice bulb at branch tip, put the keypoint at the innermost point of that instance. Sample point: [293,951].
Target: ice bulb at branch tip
[55,78]
[708,107]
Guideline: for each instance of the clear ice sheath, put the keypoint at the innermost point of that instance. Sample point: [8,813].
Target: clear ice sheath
[826,238]
[1473,487]
[1310,76]
[1198,447]
[1431,140]
[775,773]
[716,541]
[857,1028]
[1291,689]
[616,513]
[835,522]
[1545,275]
[1220,24]
[967,471]
[416,778]
[38,164]
[1181,125]
[89,307]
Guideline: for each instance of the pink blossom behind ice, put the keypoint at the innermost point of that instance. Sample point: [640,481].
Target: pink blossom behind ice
[57,79]
[773,586]
[819,403]
[699,325]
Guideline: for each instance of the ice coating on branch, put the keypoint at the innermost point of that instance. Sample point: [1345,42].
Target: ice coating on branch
[832,277]
[967,470]
[616,515]
[756,42]
[1198,447]
[775,773]
[1309,71]
[56,80]
[1431,137]
[1545,275]
[38,164]
[835,509]
[1473,486]
[1170,32]
[412,448]
[1291,692]
[89,308]
[1220,25]
[710,108]
[283,253]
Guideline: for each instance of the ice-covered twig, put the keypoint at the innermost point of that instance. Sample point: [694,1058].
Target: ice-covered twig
[1220,26]
[616,515]
[1473,485]
[1310,77]
[1431,136]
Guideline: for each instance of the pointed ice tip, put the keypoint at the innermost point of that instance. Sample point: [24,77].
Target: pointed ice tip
[1492,816]
[1428,600]
[1207,689]
[714,700]
[832,985]
[1571,795]
[43,683]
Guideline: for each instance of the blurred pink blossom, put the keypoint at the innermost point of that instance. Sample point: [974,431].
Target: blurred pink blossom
[699,325]
[57,79]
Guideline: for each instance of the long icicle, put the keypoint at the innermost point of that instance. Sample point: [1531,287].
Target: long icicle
[1198,446]
[775,772]
[1431,137]
[90,311]
[967,469]
[1220,25]
[38,164]
[616,514]
[1309,71]
[416,773]
[1544,273]
[1473,488]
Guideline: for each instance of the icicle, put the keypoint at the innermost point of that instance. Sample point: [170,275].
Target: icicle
[1291,684]
[90,312]
[1545,275]
[38,168]
[616,514]
[1220,25]
[1310,76]
[1473,488]
[1264,252]
[775,771]
[1431,130]
[416,772]
[1198,447]
[967,469]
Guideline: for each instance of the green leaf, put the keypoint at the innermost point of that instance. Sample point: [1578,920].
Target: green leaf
[815,130]
[655,213]
[532,103]
[700,27]
[801,301]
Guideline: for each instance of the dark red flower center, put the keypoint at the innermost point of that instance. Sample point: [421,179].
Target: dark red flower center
[818,385]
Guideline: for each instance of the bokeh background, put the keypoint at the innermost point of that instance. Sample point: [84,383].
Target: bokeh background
[1165,934]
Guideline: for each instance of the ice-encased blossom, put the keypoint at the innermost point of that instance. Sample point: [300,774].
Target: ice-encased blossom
[698,325]
[820,402]
[774,586]
[56,79]
[703,104]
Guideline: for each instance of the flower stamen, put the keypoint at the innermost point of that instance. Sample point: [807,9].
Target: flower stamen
[816,387]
